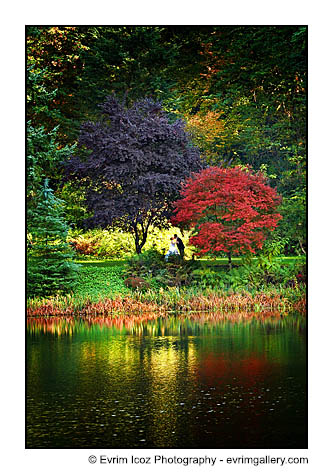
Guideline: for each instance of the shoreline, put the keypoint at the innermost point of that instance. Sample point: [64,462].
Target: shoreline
[163,303]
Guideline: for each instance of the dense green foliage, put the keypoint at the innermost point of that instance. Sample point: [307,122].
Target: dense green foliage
[250,274]
[98,281]
[50,259]
[43,158]
[44,152]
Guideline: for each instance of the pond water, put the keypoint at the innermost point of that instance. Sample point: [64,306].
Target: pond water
[200,381]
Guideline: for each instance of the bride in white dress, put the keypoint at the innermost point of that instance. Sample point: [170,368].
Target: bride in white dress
[172,249]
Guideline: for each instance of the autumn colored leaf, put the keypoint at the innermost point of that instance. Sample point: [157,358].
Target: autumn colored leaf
[230,209]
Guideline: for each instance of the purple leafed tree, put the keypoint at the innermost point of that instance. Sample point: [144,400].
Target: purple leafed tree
[132,163]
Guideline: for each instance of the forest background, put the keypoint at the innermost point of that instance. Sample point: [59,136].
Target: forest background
[240,89]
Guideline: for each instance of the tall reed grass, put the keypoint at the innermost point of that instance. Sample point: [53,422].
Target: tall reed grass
[173,299]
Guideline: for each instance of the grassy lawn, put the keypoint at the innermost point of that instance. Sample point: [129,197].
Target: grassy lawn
[204,261]
[237,261]
[101,263]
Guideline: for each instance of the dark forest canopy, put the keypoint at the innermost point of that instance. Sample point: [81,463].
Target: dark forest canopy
[192,69]
[240,89]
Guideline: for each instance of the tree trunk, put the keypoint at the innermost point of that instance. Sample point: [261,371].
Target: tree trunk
[144,232]
[138,244]
[138,247]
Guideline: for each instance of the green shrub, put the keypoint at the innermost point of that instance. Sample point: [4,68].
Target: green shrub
[100,281]
[207,278]
[159,273]
[149,265]
[264,271]
[116,244]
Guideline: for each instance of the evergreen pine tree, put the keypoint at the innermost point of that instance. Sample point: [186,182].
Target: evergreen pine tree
[51,269]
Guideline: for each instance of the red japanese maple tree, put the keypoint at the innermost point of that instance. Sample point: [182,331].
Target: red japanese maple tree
[230,209]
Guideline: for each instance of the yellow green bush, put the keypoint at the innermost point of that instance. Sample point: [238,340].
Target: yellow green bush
[116,244]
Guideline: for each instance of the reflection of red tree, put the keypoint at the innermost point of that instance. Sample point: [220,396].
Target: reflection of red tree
[254,369]
[214,369]
[248,375]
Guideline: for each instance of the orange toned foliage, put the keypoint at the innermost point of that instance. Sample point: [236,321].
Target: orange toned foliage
[208,132]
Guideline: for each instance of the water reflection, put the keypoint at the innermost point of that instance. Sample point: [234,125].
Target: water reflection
[149,324]
[200,380]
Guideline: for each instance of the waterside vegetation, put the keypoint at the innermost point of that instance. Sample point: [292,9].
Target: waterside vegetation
[147,284]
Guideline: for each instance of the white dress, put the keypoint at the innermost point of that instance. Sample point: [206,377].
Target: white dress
[172,250]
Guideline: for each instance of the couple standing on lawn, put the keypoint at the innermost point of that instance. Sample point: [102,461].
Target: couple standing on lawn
[176,247]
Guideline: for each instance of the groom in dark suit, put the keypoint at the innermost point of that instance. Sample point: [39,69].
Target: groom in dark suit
[180,245]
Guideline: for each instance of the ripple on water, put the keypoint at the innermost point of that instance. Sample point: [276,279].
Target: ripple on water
[145,391]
